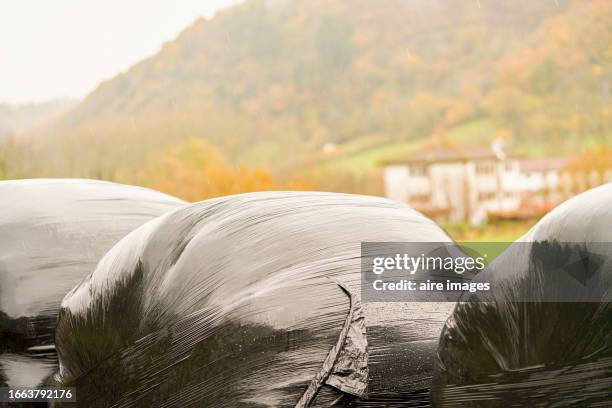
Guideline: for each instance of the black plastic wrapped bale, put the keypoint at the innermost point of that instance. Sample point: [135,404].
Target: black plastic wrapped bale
[53,233]
[544,337]
[251,300]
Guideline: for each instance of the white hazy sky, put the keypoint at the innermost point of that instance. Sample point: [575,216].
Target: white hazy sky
[64,48]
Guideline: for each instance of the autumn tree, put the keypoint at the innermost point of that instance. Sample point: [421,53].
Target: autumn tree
[196,170]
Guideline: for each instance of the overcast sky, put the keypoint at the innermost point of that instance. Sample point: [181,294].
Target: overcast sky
[64,48]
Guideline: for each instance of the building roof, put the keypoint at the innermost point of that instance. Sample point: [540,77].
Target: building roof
[551,163]
[445,154]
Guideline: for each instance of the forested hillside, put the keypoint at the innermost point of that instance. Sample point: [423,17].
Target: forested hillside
[19,118]
[314,93]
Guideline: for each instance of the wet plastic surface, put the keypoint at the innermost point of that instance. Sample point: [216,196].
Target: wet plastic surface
[511,353]
[52,234]
[251,300]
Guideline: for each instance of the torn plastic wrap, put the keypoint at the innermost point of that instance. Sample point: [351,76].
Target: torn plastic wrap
[349,372]
[52,234]
[346,365]
[511,349]
[251,300]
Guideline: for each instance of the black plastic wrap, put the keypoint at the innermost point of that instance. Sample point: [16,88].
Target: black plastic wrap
[509,349]
[52,234]
[251,300]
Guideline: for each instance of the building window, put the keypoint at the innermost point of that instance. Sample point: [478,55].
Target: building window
[485,167]
[417,171]
[486,195]
[419,198]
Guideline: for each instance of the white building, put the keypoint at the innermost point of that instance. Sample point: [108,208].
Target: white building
[467,184]
[545,181]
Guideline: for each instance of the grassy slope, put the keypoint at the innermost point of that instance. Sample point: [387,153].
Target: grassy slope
[366,154]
